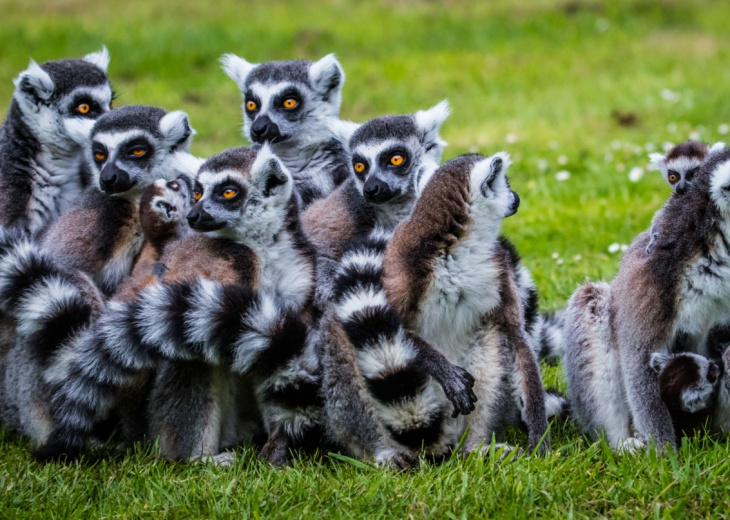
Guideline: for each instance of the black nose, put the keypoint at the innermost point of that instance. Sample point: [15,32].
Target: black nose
[201,220]
[514,206]
[681,187]
[114,180]
[264,129]
[377,191]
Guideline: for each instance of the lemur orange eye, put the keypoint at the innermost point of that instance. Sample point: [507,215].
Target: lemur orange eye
[290,103]
[359,167]
[251,106]
[673,178]
[139,152]
[197,195]
[396,160]
[99,156]
[229,194]
[83,108]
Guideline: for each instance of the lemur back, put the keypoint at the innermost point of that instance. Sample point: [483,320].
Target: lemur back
[294,106]
[53,109]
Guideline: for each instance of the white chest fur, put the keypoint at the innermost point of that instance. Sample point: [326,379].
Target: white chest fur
[56,184]
[284,273]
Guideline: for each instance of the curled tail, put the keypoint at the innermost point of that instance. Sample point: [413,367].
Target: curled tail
[200,320]
[551,336]
[387,356]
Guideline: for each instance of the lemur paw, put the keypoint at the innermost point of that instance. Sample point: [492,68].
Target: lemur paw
[223,459]
[275,453]
[457,384]
[392,459]
[630,445]
[56,451]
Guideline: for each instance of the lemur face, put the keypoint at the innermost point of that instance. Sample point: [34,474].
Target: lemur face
[62,99]
[286,101]
[241,194]
[720,185]
[490,189]
[688,381]
[393,155]
[131,147]
[170,201]
[682,162]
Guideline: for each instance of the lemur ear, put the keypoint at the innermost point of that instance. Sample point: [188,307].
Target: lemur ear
[237,69]
[658,361]
[657,160]
[100,58]
[717,147]
[498,165]
[429,124]
[176,130]
[268,172]
[35,81]
[327,75]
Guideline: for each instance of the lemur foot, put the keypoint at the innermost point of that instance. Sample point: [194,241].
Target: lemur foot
[630,445]
[393,459]
[276,451]
[457,384]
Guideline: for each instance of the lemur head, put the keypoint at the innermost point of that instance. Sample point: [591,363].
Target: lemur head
[287,101]
[135,145]
[60,100]
[393,155]
[241,194]
[682,162]
[687,381]
[164,206]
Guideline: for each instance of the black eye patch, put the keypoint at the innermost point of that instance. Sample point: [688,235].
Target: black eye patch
[137,149]
[229,193]
[396,160]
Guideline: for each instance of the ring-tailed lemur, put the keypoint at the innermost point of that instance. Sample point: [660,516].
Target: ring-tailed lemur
[449,278]
[52,290]
[678,168]
[294,106]
[235,296]
[666,300]
[41,142]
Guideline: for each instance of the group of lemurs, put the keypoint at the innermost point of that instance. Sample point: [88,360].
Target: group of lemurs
[334,285]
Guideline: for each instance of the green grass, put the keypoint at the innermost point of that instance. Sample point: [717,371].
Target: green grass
[548,72]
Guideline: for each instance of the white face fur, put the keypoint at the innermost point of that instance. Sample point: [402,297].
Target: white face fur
[246,207]
[68,119]
[720,187]
[491,194]
[296,110]
[400,165]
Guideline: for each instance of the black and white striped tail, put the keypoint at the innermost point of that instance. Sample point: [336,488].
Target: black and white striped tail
[387,356]
[551,337]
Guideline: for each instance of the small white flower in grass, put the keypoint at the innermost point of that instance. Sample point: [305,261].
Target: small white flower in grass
[542,164]
[670,96]
[563,160]
[649,147]
[723,129]
[621,167]
[554,145]
[636,173]
[577,258]
[624,248]
[672,127]
[555,256]
[613,248]
[608,157]
[510,138]
[474,149]
[562,175]
[616,144]
[602,25]
[559,261]
[700,129]
[638,150]
[666,146]
[694,136]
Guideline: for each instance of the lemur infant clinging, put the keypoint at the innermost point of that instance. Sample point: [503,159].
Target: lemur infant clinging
[662,301]
[294,106]
[54,289]
[41,141]
[678,168]
[234,296]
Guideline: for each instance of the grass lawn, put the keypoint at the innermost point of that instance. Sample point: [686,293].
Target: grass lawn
[538,78]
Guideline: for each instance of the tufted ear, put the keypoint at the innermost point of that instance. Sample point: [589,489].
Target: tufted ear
[269,173]
[100,58]
[35,81]
[657,160]
[658,361]
[237,69]
[327,76]
[717,147]
[498,165]
[176,130]
[429,124]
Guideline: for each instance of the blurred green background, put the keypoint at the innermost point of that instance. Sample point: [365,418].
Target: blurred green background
[575,90]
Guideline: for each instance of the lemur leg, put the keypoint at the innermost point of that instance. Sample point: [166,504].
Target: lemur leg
[721,417]
[592,368]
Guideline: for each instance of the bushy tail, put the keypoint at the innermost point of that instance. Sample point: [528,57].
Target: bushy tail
[386,354]
[551,336]
[201,320]
[48,303]
[557,405]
